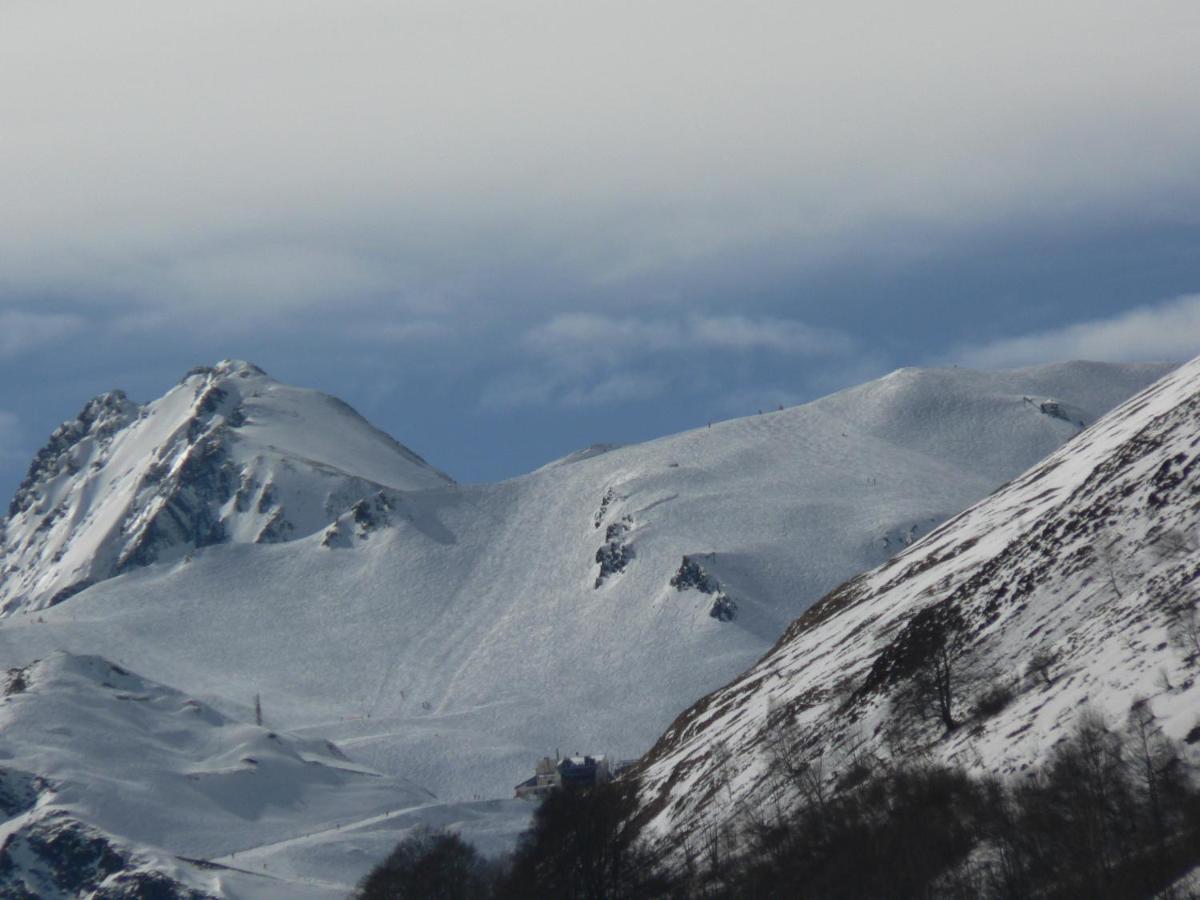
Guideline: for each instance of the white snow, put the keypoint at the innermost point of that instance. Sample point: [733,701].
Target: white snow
[452,635]
[161,769]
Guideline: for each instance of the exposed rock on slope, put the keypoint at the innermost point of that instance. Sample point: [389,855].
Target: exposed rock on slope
[55,855]
[229,455]
[1076,585]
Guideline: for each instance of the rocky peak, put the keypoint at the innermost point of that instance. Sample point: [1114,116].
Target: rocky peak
[227,455]
[101,418]
[226,368]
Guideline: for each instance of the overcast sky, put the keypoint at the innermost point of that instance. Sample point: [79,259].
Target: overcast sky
[506,230]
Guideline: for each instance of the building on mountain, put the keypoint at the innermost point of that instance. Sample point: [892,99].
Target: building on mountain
[570,771]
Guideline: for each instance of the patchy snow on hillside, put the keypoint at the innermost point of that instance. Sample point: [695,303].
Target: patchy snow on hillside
[1076,586]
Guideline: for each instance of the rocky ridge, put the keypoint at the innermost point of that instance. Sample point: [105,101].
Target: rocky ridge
[214,461]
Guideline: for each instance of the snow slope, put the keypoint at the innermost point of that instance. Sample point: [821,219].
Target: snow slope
[110,780]
[454,635]
[1078,584]
[228,455]
[128,757]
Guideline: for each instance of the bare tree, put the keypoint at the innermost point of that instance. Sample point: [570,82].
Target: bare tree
[1185,626]
[1042,664]
[937,670]
[722,757]
[1106,555]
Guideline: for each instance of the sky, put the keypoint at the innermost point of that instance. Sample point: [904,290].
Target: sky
[505,231]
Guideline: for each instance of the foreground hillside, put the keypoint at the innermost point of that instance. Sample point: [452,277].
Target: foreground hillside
[452,635]
[1072,592]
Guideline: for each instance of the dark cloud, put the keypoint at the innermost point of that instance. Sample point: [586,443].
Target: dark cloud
[555,224]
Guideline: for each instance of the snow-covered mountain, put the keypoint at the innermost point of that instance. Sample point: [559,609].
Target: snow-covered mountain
[228,455]
[1075,586]
[453,635]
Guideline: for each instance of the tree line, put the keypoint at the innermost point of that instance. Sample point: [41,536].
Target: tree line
[1113,813]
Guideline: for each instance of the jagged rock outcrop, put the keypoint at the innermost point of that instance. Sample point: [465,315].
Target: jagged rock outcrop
[365,517]
[617,551]
[56,855]
[692,576]
[229,455]
[98,421]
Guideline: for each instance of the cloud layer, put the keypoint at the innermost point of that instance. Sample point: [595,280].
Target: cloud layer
[232,158]
[584,339]
[560,223]
[24,332]
[1168,332]
[590,359]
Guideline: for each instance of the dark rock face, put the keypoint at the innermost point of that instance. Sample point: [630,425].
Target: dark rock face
[691,576]
[724,608]
[613,558]
[18,792]
[62,856]
[371,513]
[610,496]
[17,680]
[147,886]
[616,553]
[70,591]
[364,518]
[277,530]
[77,858]
[101,418]
[188,504]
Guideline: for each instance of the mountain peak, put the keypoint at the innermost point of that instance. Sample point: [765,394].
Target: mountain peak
[227,368]
[229,455]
